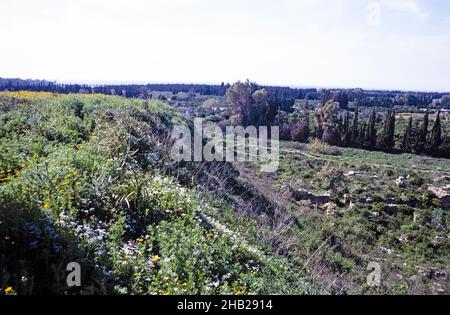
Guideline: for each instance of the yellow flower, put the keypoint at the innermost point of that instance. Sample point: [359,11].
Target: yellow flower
[155,258]
[77,184]
[238,293]
[8,290]
[140,240]
[46,206]
[210,234]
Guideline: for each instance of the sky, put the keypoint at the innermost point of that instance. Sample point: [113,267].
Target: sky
[379,44]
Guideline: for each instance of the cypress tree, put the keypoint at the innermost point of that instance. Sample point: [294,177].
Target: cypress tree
[372,131]
[346,129]
[406,145]
[386,141]
[422,135]
[355,129]
[436,135]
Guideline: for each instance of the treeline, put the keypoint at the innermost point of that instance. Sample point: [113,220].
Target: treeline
[343,128]
[283,97]
[251,106]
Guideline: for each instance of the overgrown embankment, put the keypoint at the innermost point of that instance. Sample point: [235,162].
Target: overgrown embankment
[83,179]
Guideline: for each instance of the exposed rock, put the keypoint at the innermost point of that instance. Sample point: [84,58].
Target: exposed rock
[400,182]
[353,173]
[442,194]
[300,195]
[386,250]
[404,238]
[330,208]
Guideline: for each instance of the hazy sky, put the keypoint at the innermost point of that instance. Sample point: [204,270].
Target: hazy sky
[320,43]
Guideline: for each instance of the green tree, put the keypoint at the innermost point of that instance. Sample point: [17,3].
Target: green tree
[436,135]
[422,135]
[346,134]
[371,137]
[355,129]
[386,141]
[249,105]
[406,144]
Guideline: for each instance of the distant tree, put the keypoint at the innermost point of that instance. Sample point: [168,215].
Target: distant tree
[436,135]
[342,98]
[386,141]
[249,106]
[319,122]
[355,129]
[330,124]
[346,133]
[406,144]
[362,137]
[259,111]
[445,101]
[422,135]
[210,103]
[301,130]
[371,137]
[325,95]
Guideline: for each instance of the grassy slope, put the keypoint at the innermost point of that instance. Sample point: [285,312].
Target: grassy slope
[81,181]
[347,241]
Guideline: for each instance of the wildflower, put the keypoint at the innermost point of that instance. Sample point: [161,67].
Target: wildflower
[8,290]
[78,184]
[155,258]
[46,205]
[210,234]
[140,240]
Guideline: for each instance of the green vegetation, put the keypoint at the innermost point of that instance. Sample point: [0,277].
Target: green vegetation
[379,209]
[83,178]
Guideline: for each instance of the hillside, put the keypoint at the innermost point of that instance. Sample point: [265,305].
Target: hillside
[87,179]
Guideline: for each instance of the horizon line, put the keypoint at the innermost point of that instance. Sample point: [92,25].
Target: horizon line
[292,86]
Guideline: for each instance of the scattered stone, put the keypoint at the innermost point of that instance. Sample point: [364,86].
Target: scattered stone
[301,195]
[330,208]
[353,173]
[404,238]
[400,182]
[386,250]
[442,194]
